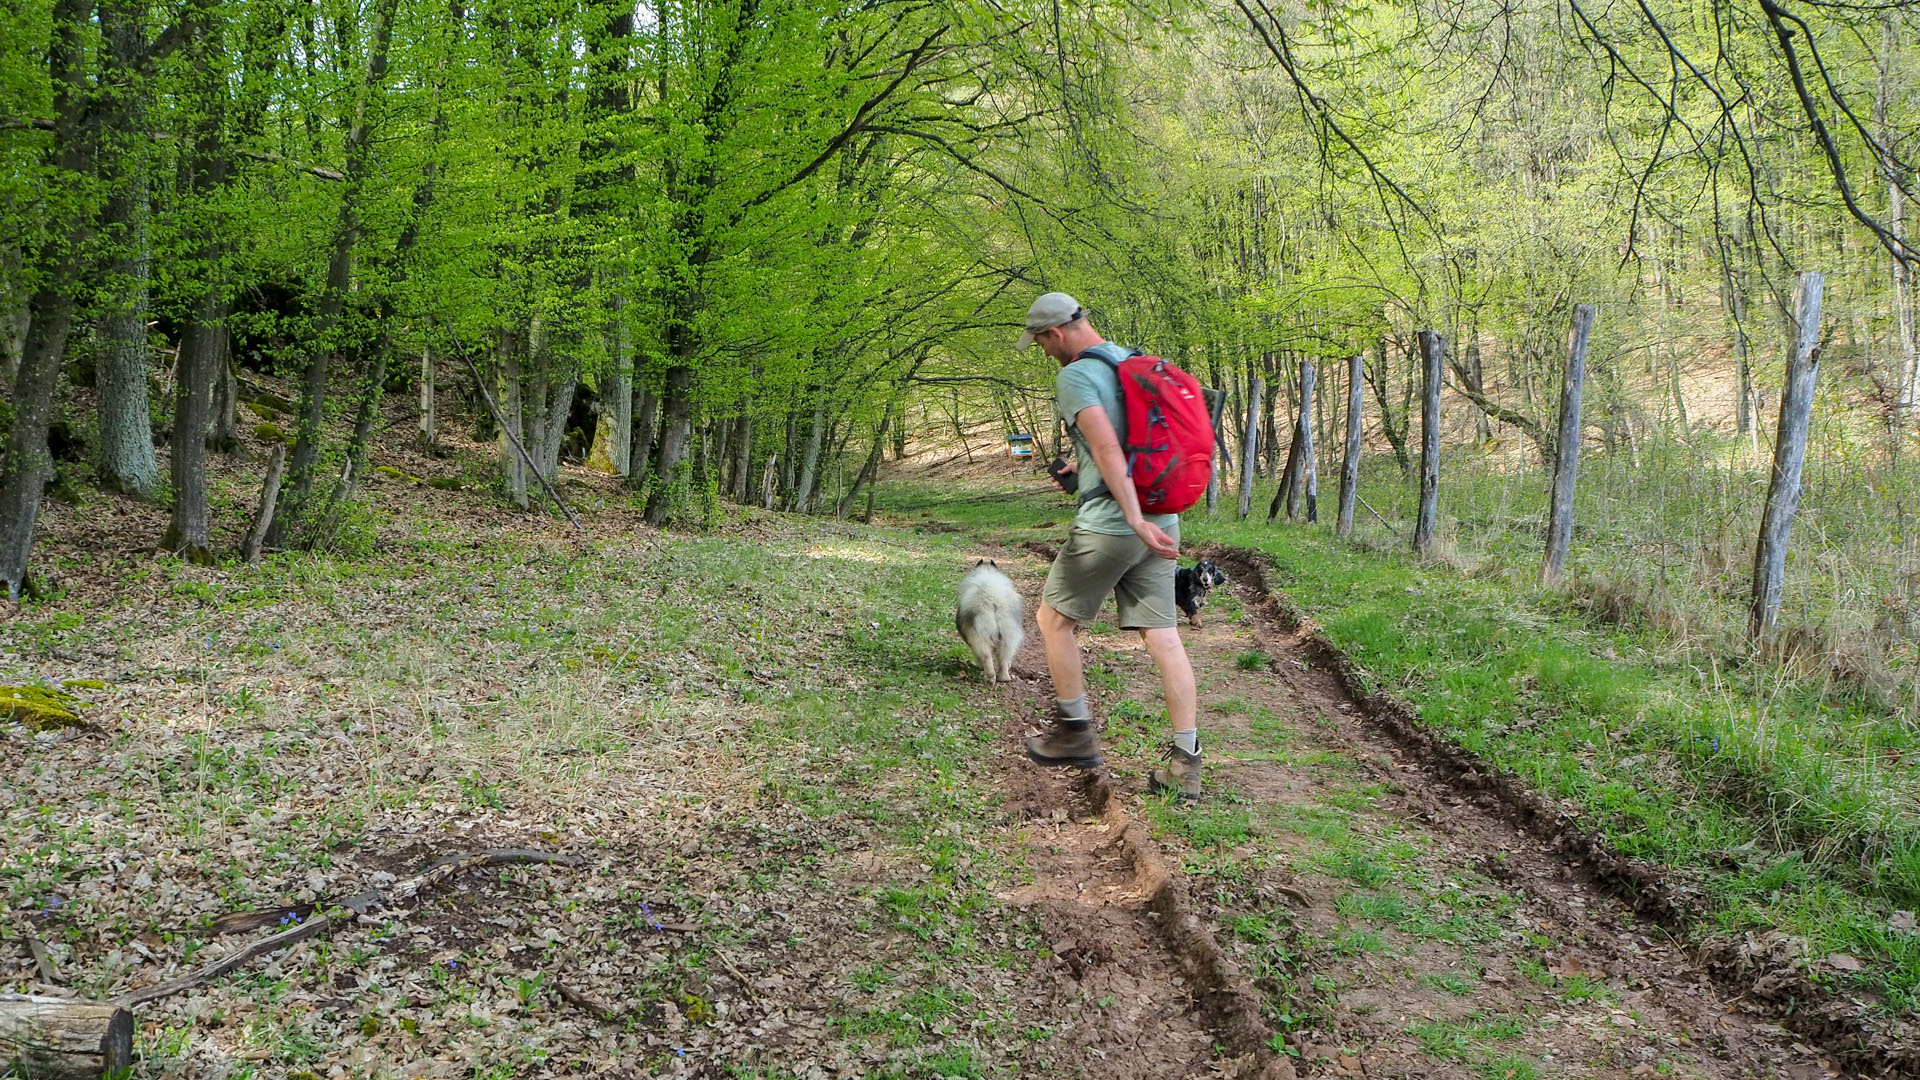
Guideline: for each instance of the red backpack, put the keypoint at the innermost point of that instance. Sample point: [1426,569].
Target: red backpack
[1169,443]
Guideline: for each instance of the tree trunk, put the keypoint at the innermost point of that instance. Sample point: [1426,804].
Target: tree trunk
[1396,433]
[1907,357]
[1216,411]
[512,418]
[429,422]
[16,305]
[50,1038]
[1269,418]
[1250,445]
[810,460]
[1567,447]
[1350,464]
[127,461]
[1733,299]
[225,436]
[743,459]
[616,403]
[1476,380]
[193,381]
[646,406]
[871,466]
[327,348]
[789,451]
[1789,454]
[676,426]
[269,494]
[1305,475]
[560,378]
[27,465]
[1432,350]
[372,389]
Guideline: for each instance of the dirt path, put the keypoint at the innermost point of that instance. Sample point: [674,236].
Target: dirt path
[1390,927]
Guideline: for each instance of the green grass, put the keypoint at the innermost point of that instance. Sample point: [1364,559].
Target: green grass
[1451,982]
[1787,802]
[1783,804]
[1461,1040]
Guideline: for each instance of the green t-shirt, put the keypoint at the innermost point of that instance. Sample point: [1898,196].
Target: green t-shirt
[1086,382]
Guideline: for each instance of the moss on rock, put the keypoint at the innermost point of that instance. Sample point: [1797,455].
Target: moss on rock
[40,708]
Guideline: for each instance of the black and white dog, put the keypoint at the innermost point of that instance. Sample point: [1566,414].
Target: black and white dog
[1190,587]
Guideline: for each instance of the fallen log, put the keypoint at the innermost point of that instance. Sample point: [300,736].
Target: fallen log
[49,1038]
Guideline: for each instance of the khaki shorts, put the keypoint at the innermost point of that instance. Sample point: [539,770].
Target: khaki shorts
[1095,564]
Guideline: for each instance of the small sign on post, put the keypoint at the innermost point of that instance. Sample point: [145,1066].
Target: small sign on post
[1020,444]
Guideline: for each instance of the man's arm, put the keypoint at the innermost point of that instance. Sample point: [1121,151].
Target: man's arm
[1104,444]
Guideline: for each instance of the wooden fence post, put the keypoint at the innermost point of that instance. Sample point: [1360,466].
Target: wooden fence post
[1567,448]
[1350,466]
[1249,443]
[1789,453]
[1433,349]
[1216,409]
[1310,472]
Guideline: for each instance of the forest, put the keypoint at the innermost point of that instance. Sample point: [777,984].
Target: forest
[401,397]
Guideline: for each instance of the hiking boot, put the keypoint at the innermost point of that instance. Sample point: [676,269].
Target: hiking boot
[1070,742]
[1181,776]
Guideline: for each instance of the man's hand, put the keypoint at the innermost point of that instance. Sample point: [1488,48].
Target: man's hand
[1068,468]
[1155,538]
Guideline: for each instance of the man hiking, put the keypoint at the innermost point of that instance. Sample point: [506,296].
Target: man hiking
[1112,548]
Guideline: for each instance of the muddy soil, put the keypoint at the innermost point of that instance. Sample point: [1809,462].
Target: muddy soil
[1388,926]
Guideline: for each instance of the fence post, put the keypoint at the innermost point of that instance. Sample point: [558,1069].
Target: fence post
[1216,408]
[1789,453]
[1350,466]
[1433,349]
[1567,448]
[1250,442]
[1303,477]
[1310,473]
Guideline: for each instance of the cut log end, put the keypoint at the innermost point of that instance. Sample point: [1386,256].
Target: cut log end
[64,1039]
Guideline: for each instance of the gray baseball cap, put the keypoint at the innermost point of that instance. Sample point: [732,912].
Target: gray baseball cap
[1051,310]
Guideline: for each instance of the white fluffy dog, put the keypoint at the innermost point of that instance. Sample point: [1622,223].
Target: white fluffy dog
[990,617]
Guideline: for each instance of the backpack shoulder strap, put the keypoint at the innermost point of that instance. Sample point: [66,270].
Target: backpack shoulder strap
[1109,352]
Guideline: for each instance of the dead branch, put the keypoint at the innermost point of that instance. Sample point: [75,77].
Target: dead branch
[737,977]
[598,1009]
[358,904]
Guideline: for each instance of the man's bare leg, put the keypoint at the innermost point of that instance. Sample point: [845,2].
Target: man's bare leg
[1072,740]
[1063,654]
[1182,774]
[1176,676]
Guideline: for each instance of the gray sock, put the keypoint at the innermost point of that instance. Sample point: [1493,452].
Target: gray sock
[1188,741]
[1073,712]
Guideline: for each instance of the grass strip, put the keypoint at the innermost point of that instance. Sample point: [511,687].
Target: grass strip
[1781,805]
